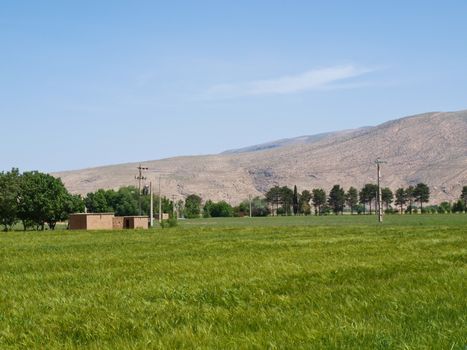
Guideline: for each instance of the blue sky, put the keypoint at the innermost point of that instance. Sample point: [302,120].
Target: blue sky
[90,83]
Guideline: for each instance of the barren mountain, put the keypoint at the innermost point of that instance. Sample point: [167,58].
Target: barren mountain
[430,148]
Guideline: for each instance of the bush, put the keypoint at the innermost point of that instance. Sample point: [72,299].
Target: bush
[444,207]
[172,222]
[458,207]
[360,208]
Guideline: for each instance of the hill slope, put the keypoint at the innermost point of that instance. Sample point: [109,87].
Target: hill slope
[430,148]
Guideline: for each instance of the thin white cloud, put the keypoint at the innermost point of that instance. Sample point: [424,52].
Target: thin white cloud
[316,79]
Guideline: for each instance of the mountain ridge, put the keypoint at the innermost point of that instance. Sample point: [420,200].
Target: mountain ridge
[428,147]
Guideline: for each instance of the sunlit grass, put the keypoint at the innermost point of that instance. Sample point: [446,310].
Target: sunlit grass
[399,286]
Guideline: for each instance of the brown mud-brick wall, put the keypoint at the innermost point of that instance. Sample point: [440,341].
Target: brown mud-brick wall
[88,221]
[117,222]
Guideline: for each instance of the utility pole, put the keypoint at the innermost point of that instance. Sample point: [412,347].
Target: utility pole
[160,201]
[140,177]
[380,196]
[151,219]
[173,207]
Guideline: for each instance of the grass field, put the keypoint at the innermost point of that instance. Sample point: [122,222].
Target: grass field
[330,282]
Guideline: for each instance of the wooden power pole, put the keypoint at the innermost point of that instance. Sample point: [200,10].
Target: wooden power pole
[380,194]
[140,178]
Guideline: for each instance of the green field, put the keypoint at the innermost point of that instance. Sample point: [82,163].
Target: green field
[331,282]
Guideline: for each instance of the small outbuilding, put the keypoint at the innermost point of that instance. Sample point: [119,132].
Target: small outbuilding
[117,222]
[133,222]
[106,221]
[91,221]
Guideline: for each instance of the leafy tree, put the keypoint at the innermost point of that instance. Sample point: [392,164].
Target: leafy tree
[75,204]
[368,194]
[337,199]
[444,207]
[464,195]
[387,196]
[125,201]
[243,209]
[207,208]
[193,206]
[422,194]
[221,209]
[98,202]
[274,197]
[280,195]
[295,201]
[60,202]
[287,199]
[167,205]
[410,195]
[351,198]
[304,202]
[319,200]
[401,198]
[43,199]
[9,196]
[259,207]
[458,207]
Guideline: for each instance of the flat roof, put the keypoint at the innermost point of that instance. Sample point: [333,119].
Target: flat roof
[92,214]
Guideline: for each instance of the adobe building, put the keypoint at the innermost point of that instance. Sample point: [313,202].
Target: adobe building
[117,222]
[135,222]
[106,221]
[91,221]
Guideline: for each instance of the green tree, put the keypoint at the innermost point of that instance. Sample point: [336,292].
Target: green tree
[280,196]
[295,201]
[9,196]
[75,204]
[337,199]
[98,202]
[43,199]
[410,195]
[351,198]
[287,199]
[464,195]
[192,206]
[304,202]
[422,194]
[401,198]
[368,195]
[125,201]
[221,209]
[319,200]
[458,207]
[274,197]
[387,196]
[444,208]
[207,208]
[259,207]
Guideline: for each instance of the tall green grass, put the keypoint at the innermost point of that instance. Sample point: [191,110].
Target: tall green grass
[348,286]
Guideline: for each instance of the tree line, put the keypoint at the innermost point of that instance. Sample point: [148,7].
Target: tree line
[287,201]
[36,199]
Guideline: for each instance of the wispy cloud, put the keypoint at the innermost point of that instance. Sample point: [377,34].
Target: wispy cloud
[316,79]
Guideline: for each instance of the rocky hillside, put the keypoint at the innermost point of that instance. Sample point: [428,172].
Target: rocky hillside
[430,148]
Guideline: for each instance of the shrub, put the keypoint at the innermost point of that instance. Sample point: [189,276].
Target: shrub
[172,222]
